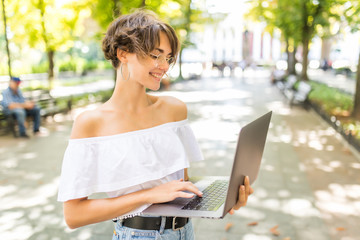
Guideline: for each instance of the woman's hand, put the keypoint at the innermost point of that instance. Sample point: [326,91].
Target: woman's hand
[244,192]
[169,191]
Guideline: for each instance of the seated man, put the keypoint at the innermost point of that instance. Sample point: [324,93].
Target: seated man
[15,104]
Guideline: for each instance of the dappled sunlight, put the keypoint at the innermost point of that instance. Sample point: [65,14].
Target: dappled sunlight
[300,208]
[10,229]
[251,236]
[217,109]
[251,213]
[30,197]
[7,189]
[34,176]
[223,113]
[340,199]
[315,139]
[283,203]
[9,163]
[223,131]
[29,155]
[205,96]
[278,107]
[280,133]
[268,167]
[283,193]
[355,165]
[30,172]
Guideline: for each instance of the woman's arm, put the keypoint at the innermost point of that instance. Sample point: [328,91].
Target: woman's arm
[84,211]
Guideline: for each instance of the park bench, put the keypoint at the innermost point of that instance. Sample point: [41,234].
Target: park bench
[295,93]
[287,87]
[301,94]
[48,105]
[278,76]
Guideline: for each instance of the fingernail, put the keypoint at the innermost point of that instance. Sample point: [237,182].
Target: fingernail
[242,187]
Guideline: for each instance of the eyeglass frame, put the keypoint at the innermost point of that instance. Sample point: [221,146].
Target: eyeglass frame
[160,58]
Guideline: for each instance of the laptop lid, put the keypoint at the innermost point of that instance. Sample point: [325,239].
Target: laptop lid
[247,160]
[248,156]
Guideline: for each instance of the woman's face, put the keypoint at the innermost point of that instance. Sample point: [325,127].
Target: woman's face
[149,71]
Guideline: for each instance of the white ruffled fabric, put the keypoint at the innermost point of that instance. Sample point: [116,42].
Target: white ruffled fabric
[127,162]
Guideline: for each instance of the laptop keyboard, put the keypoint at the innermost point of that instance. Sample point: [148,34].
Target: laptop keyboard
[213,197]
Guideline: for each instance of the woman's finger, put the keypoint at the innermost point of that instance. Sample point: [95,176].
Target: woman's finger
[247,186]
[242,198]
[188,186]
[251,191]
[231,212]
[184,195]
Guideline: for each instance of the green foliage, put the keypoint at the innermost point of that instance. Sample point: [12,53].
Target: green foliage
[45,25]
[84,99]
[298,20]
[337,105]
[68,66]
[42,67]
[90,65]
[331,100]
[353,128]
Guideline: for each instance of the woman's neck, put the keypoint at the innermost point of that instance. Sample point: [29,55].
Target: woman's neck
[130,96]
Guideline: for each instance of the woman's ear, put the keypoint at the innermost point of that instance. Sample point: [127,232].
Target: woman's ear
[121,55]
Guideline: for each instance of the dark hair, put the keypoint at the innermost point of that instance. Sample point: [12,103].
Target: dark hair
[137,33]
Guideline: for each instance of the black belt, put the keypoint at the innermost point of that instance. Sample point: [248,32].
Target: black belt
[153,223]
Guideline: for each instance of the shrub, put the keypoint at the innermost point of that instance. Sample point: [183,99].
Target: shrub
[67,66]
[332,101]
[42,67]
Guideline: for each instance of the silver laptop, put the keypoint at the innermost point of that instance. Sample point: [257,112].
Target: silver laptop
[221,193]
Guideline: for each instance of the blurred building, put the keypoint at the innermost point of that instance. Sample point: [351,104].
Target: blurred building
[237,42]
[233,42]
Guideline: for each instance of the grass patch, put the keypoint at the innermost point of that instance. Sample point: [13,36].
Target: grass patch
[338,105]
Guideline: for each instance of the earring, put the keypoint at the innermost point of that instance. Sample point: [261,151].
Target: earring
[121,72]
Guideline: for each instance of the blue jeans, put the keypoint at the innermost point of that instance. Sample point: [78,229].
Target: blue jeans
[20,115]
[125,233]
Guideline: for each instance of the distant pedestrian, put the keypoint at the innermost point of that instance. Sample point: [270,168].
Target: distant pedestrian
[15,105]
[136,146]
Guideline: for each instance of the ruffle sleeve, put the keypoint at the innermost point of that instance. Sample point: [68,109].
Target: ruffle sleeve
[111,163]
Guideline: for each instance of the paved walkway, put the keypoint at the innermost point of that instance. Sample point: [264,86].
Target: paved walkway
[308,186]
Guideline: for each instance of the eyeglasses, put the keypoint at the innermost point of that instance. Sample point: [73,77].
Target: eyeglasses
[161,58]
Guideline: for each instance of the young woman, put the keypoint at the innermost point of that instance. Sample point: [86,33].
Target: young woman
[135,147]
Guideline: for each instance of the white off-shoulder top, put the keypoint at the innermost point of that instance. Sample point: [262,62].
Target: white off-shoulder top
[127,162]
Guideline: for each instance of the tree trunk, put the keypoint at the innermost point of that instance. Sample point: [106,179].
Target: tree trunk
[288,55]
[50,54]
[180,64]
[116,9]
[143,4]
[117,13]
[356,111]
[290,59]
[292,69]
[306,42]
[6,38]
[187,38]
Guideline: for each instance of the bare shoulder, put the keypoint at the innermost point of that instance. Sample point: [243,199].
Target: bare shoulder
[175,107]
[86,124]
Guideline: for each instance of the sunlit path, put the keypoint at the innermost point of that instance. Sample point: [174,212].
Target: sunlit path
[308,186]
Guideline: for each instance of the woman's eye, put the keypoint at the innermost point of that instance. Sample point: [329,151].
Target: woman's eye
[153,56]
